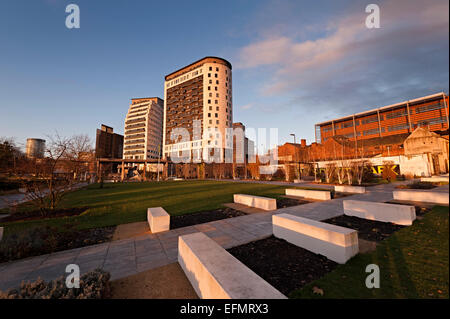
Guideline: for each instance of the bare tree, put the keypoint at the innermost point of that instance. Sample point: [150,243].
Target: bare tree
[57,173]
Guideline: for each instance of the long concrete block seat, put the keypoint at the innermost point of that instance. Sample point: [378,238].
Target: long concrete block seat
[264,203]
[435,179]
[215,274]
[350,189]
[308,193]
[382,212]
[422,196]
[334,242]
[158,219]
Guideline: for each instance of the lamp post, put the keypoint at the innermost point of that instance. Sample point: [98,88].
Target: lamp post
[297,157]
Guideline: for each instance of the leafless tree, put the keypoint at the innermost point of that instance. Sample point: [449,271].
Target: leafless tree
[57,173]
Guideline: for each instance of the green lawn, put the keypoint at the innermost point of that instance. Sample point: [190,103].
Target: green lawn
[128,202]
[413,264]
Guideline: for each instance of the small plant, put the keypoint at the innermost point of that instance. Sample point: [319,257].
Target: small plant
[93,285]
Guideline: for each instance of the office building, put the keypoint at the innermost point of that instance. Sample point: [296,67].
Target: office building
[143,129]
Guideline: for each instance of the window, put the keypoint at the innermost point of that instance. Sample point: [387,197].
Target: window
[210,94]
[371,119]
[215,75]
[216,115]
[217,122]
[209,88]
[210,81]
[215,88]
[398,127]
[346,124]
[217,108]
[217,69]
[209,114]
[427,108]
[209,75]
[372,132]
[217,94]
[210,121]
[393,115]
[217,102]
[217,81]
[209,101]
[210,108]
[210,68]
[434,121]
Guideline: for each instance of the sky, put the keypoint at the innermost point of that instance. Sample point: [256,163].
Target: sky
[295,63]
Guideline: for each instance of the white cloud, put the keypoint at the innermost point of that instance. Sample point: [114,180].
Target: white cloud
[247,106]
[408,53]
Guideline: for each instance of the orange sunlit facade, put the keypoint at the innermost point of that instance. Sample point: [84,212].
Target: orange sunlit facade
[429,111]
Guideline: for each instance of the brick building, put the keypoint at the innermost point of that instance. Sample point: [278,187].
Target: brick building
[107,143]
[401,118]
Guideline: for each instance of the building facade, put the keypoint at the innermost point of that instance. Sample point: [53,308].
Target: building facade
[108,144]
[144,129]
[198,109]
[35,148]
[429,111]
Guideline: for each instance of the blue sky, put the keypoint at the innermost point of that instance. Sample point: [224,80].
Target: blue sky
[295,63]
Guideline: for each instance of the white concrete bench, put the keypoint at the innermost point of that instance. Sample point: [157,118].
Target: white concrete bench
[307,193]
[350,189]
[1,233]
[435,179]
[264,203]
[216,274]
[422,196]
[382,212]
[334,242]
[158,219]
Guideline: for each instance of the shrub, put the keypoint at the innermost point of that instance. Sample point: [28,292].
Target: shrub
[93,285]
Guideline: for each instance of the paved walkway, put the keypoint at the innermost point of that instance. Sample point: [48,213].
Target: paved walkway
[130,256]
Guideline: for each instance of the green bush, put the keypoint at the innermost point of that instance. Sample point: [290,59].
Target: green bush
[93,285]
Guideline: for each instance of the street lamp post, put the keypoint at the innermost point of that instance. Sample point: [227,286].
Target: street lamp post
[297,157]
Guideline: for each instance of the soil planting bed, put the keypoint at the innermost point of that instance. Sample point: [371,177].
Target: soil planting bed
[203,217]
[283,265]
[46,240]
[288,202]
[37,214]
[367,229]
[418,185]
[335,195]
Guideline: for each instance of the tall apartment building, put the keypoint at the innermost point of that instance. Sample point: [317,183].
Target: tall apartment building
[107,143]
[430,111]
[143,129]
[199,96]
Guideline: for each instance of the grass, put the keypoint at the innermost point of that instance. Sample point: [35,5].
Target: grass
[414,263]
[119,203]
